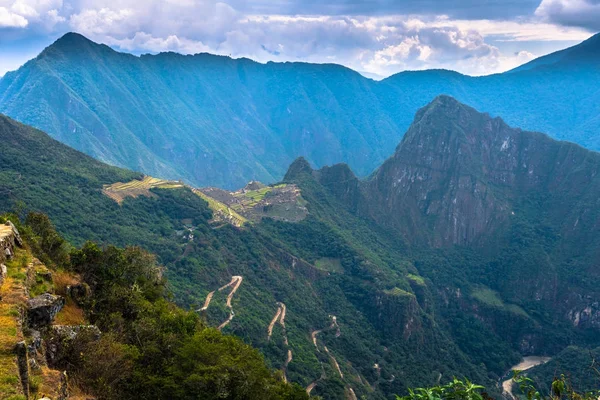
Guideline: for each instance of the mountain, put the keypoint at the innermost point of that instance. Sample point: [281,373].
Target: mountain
[206,119]
[216,121]
[331,300]
[472,245]
[585,54]
[464,175]
[528,205]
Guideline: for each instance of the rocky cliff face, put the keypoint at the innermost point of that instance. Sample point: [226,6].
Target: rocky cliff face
[446,174]
[460,177]
[525,205]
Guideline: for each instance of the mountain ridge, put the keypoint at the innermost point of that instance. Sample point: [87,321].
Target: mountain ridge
[216,121]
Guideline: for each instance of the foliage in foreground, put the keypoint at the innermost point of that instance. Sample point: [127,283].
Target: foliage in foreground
[149,348]
[561,389]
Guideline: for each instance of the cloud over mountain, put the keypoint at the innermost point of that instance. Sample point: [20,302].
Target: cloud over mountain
[378,37]
[582,13]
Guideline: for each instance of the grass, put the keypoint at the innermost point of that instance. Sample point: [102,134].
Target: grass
[120,191]
[397,292]
[46,383]
[14,296]
[70,314]
[37,281]
[329,265]
[416,279]
[489,297]
[253,197]
[63,279]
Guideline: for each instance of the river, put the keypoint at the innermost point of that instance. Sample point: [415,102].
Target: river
[527,363]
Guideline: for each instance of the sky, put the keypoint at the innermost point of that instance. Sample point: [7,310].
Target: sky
[375,37]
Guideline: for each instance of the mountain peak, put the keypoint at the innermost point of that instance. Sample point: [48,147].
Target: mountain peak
[299,167]
[585,53]
[442,114]
[71,43]
[72,39]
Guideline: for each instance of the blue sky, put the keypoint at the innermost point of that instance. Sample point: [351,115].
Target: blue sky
[377,37]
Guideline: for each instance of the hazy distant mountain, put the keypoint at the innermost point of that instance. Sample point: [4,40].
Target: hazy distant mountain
[217,121]
[204,118]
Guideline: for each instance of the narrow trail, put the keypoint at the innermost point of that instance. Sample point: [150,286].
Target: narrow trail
[313,385]
[272,324]
[236,281]
[313,335]
[352,394]
[285,365]
[207,301]
[335,363]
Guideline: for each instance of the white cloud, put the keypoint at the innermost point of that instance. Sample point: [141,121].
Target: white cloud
[147,42]
[9,19]
[582,13]
[376,44]
[94,22]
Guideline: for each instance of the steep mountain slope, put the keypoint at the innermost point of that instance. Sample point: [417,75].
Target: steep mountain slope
[217,121]
[585,53]
[358,317]
[525,204]
[557,94]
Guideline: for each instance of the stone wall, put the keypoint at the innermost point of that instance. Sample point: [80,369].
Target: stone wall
[9,240]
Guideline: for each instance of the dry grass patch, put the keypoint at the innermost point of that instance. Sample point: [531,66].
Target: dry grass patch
[64,279]
[70,314]
[14,296]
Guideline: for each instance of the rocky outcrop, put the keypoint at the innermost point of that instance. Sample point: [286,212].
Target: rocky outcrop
[60,340]
[587,316]
[43,309]
[9,240]
[397,312]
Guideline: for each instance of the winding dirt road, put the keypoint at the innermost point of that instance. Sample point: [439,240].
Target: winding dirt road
[207,301]
[235,283]
[272,324]
[280,317]
[313,335]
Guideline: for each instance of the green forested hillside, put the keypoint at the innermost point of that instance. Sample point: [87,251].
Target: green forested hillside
[212,120]
[389,283]
[332,264]
[116,334]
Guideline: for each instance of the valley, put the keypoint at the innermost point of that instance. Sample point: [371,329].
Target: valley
[294,200]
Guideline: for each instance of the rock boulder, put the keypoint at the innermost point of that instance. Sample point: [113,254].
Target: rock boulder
[43,309]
